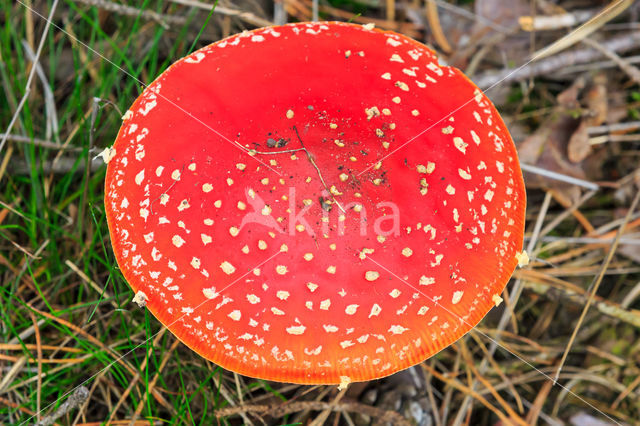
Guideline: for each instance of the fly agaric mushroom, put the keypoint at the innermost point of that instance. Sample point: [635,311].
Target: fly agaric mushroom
[256,203]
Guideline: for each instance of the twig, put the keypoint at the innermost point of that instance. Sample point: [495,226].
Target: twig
[557,21]
[621,43]
[18,246]
[311,160]
[616,127]
[39,142]
[488,44]
[288,408]
[74,400]
[64,166]
[599,140]
[83,407]
[178,20]
[596,65]
[279,12]
[559,177]
[313,163]
[589,240]
[322,417]
[460,11]
[609,229]
[239,392]
[32,73]
[597,282]
[629,69]
[405,28]
[122,9]
[544,284]
[227,11]
[446,405]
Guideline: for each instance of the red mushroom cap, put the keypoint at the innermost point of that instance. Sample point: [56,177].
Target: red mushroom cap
[253,203]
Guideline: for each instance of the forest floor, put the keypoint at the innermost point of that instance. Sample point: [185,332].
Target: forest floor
[564,348]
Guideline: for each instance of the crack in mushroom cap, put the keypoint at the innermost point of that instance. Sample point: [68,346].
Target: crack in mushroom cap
[190,213]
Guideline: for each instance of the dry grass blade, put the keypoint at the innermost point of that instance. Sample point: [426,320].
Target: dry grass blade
[136,378]
[27,89]
[513,300]
[101,291]
[470,364]
[39,142]
[152,384]
[98,343]
[18,246]
[64,361]
[86,279]
[82,332]
[541,283]
[39,352]
[467,391]
[634,384]
[436,28]
[19,407]
[534,412]
[5,159]
[566,203]
[432,400]
[568,211]
[502,335]
[597,283]
[18,347]
[121,423]
[391,10]
[614,9]
[558,176]
[498,369]
[322,417]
